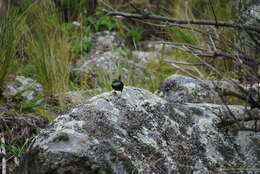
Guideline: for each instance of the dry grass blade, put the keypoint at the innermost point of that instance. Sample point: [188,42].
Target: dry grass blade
[3,153]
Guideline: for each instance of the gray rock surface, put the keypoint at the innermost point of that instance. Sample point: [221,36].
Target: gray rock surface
[159,46]
[104,55]
[251,15]
[24,86]
[106,62]
[105,41]
[139,132]
[182,89]
[74,96]
[253,90]
[144,56]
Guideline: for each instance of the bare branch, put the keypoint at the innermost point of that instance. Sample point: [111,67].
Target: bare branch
[226,122]
[204,52]
[184,21]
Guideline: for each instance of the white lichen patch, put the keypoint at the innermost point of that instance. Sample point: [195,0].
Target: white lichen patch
[191,87]
[179,113]
[74,110]
[103,95]
[200,168]
[146,138]
[170,123]
[113,117]
[139,96]
[103,105]
[74,124]
[71,125]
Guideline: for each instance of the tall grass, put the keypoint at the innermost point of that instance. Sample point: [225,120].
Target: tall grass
[12,30]
[49,49]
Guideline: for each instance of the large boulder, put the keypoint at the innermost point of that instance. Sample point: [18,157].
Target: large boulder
[138,132]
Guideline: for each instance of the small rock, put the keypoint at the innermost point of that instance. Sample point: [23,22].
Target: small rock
[105,41]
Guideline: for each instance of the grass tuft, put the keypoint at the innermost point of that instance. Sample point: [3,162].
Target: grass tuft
[12,31]
[49,49]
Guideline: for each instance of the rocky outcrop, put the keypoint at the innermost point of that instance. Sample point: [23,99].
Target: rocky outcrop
[138,132]
[182,89]
[23,86]
[251,14]
[102,54]
[105,41]
[107,58]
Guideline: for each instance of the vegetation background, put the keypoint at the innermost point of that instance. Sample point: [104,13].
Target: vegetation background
[39,40]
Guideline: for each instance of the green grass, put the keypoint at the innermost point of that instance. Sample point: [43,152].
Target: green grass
[49,50]
[49,45]
[12,31]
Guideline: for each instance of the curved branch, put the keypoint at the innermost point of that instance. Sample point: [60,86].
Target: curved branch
[184,21]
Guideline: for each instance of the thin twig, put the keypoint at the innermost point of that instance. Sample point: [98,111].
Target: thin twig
[183,63]
[183,70]
[213,11]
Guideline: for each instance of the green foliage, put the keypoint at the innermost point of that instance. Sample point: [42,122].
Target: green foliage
[134,35]
[12,30]
[15,149]
[102,23]
[181,35]
[78,37]
[224,10]
[29,106]
[157,71]
[33,106]
[52,45]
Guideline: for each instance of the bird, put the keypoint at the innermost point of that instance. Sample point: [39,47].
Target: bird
[117,84]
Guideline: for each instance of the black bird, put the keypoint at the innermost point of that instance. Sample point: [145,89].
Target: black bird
[117,84]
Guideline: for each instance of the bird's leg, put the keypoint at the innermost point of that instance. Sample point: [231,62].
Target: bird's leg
[114,92]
